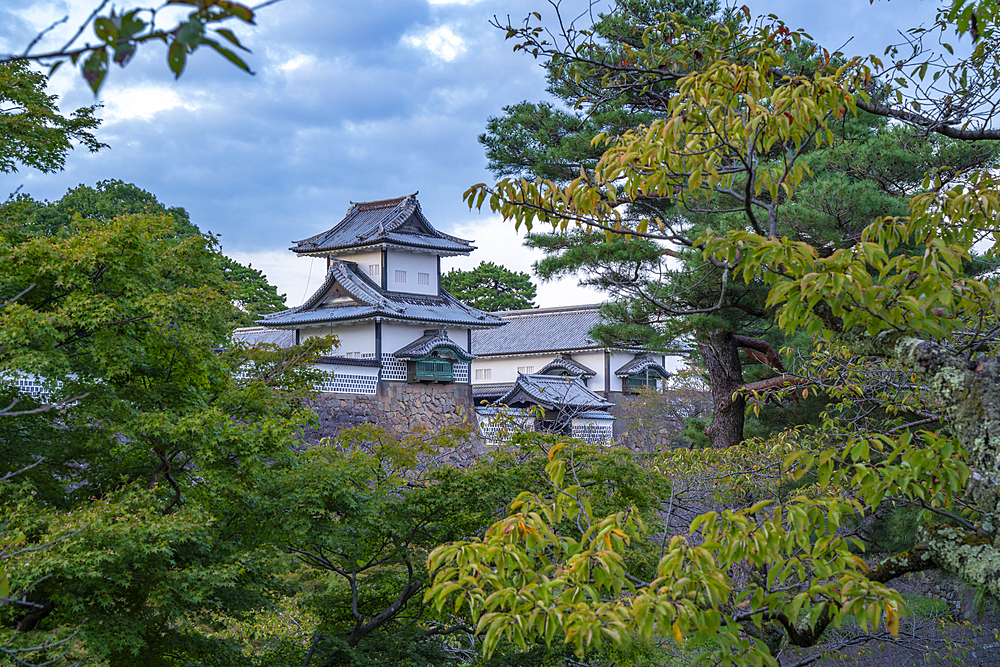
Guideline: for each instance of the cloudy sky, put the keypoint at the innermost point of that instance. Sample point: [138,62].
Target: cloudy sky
[350,101]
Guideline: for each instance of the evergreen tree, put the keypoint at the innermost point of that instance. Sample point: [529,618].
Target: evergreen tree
[661,288]
[491,287]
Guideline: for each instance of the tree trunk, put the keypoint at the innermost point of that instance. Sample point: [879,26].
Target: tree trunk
[725,374]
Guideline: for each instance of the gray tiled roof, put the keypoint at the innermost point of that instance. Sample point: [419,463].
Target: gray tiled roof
[262,336]
[490,392]
[369,300]
[641,364]
[397,221]
[593,414]
[433,338]
[568,364]
[541,330]
[553,392]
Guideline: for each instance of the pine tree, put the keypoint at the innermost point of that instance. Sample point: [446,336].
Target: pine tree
[661,290]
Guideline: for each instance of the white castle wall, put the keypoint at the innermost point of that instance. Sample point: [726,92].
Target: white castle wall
[413,264]
[366,260]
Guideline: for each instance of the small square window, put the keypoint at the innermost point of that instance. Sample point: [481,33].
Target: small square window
[423,279]
[375,270]
[400,276]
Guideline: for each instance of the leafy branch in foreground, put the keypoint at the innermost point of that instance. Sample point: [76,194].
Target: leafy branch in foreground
[120,35]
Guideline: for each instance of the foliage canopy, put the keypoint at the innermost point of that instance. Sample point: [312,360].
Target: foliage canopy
[491,287]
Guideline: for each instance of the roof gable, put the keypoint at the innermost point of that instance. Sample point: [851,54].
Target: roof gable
[398,221]
[567,365]
[359,298]
[553,392]
[433,339]
[641,365]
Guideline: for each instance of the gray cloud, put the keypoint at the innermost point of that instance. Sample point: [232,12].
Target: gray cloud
[342,108]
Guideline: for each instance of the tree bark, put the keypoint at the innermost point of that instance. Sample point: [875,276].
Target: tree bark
[725,375]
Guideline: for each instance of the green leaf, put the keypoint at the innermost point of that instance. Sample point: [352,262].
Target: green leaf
[176,58]
[231,37]
[106,30]
[95,68]
[229,55]
[236,9]
[190,34]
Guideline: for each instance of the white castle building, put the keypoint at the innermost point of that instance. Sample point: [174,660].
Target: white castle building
[382,298]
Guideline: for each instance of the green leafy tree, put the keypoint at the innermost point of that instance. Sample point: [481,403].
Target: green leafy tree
[363,574]
[904,300]
[32,131]
[626,69]
[491,287]
[141,445]
[124,531]
[250,292]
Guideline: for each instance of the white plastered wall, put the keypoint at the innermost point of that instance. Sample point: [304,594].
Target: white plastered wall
[397,334]
[595,362]
[674,364]
[413,264]
[354,338]
[343,369]
[365,260]
[459,335]
[505,369]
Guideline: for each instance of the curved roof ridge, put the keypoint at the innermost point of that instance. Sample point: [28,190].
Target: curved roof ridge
[640,364]
[383,221]
[566,362]
[381,203]
[565,392]
[340,272]
[433,338]
[373,301]
[551,310]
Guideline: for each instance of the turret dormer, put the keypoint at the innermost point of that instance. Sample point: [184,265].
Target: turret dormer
[382,289]
[392,242]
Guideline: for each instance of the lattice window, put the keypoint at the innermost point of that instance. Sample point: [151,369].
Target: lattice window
[526,369]
[393,369]
[400,276]
[461,372]
[637,382]
[375,270]
[351,384]
[431,370]
[484,373]
[423,279]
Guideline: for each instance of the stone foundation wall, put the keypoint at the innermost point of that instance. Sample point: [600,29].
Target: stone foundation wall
[403,409]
